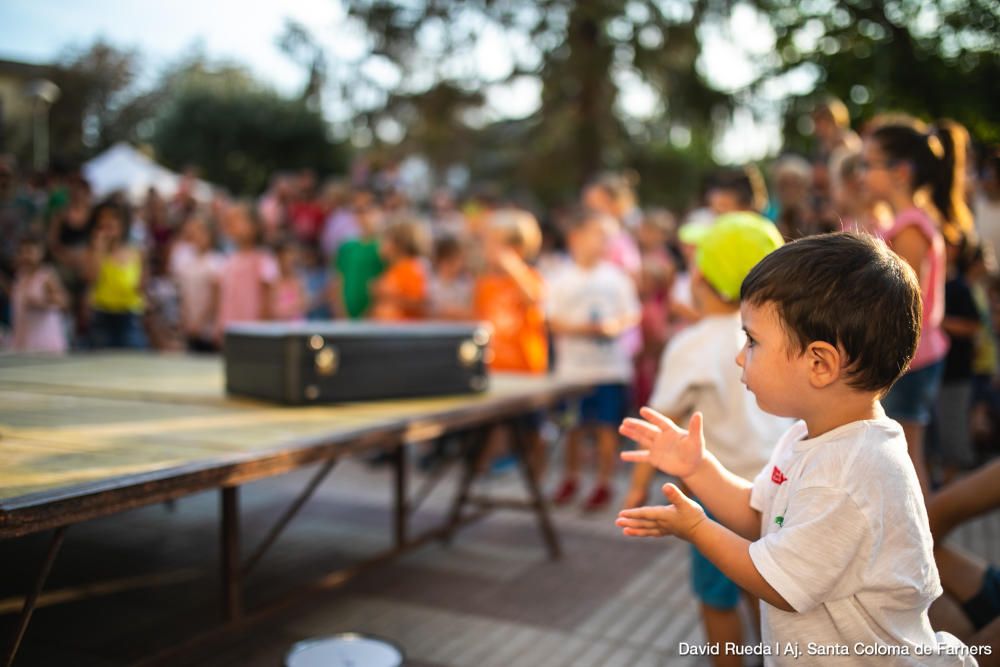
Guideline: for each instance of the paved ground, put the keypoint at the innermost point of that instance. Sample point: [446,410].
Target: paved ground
[492,598]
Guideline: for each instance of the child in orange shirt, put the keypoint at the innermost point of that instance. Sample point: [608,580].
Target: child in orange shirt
[401,292]
[509,294]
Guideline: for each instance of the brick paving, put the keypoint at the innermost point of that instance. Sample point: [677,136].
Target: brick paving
[491,598]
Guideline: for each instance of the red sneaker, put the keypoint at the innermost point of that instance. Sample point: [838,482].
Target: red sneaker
[566,492]
[598,500]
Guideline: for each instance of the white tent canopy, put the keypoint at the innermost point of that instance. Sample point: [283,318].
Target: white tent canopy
[124,168]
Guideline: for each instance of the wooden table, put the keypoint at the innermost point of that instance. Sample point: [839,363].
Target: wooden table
[89,436]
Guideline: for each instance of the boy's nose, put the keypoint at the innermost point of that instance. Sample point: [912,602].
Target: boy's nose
[739,357]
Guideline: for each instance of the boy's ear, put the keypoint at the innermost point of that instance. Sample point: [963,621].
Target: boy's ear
[824,363]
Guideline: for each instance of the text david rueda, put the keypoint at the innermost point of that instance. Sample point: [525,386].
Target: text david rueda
[795,650]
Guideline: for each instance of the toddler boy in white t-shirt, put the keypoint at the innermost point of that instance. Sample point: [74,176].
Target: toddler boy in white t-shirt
[832,535]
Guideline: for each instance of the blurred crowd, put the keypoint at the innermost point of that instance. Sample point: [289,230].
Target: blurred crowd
[169,273]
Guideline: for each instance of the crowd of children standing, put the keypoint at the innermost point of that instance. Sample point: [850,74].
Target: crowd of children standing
[647,306]
[601,285]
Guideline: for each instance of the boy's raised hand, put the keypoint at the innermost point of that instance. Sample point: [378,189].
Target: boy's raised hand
[665,445]
[680,518]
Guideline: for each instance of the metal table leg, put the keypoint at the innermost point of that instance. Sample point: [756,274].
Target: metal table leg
[32,599]
[231,581]
[522,448]
[400,506]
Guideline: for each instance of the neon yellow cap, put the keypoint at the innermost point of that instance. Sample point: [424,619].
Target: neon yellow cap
[731,247]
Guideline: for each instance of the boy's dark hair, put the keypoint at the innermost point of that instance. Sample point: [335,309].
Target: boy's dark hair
[31,237]
[746,183]
[115,205]
[848,290]
[284,243]
[446,248]
[581,216]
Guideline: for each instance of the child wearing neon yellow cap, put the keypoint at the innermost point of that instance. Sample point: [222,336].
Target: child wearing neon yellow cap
[697,373]
[832,533]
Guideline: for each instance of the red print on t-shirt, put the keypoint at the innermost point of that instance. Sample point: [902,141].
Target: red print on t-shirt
[777,476]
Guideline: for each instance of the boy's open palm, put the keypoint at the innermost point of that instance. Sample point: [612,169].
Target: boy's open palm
[665,445]
[680,518]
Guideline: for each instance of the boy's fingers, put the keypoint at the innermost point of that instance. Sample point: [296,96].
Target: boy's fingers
[665,423]
[639,428]
[649,513]
[694,426]
[640,532]
[676,496]
[635,523]
[636,456]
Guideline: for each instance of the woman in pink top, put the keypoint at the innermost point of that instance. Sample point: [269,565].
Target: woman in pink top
[38,301]
[247,278]
[902,165]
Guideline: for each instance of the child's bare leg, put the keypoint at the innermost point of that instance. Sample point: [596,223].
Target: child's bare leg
[988,636]
[574,452]
[753,604]
[496,439]
[722,626]
[968,497]
[536,454]
[571,466]
[914,433]
[961,573]
[607,453]
[638,490]
[946,615]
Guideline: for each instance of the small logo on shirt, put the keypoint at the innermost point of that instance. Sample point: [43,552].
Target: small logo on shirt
[777,476]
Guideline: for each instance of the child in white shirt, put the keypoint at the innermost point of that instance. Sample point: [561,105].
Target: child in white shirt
[592,303]
[697,373]
[832,535]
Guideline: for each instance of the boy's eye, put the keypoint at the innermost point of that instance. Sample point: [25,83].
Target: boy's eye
[751,342]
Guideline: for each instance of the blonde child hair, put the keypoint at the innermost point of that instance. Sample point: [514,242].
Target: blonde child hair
[519,229]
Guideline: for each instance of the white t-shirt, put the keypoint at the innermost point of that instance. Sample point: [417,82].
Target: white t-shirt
[845,540]
[449,294]
[582,296]
[698,371]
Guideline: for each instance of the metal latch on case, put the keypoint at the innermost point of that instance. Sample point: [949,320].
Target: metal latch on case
[327,361]
[469,353]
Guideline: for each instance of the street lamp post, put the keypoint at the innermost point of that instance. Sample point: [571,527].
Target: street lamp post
[43,94]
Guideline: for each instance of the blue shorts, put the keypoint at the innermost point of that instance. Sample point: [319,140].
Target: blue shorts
[984,606]
[913,397]
[605,405]
[710,585]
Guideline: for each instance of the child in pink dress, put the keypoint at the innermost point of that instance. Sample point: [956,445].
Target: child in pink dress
[290,299]
[38,300]
[247,279]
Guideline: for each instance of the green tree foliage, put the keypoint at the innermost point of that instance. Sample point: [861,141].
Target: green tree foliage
[932,58]
[99,103]
[240,136]
[582,53]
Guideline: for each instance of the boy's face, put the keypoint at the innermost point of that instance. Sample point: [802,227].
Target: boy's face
[881,177]
[721,200]
[588,242]
[30,254]
[451,267]
[775,375]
